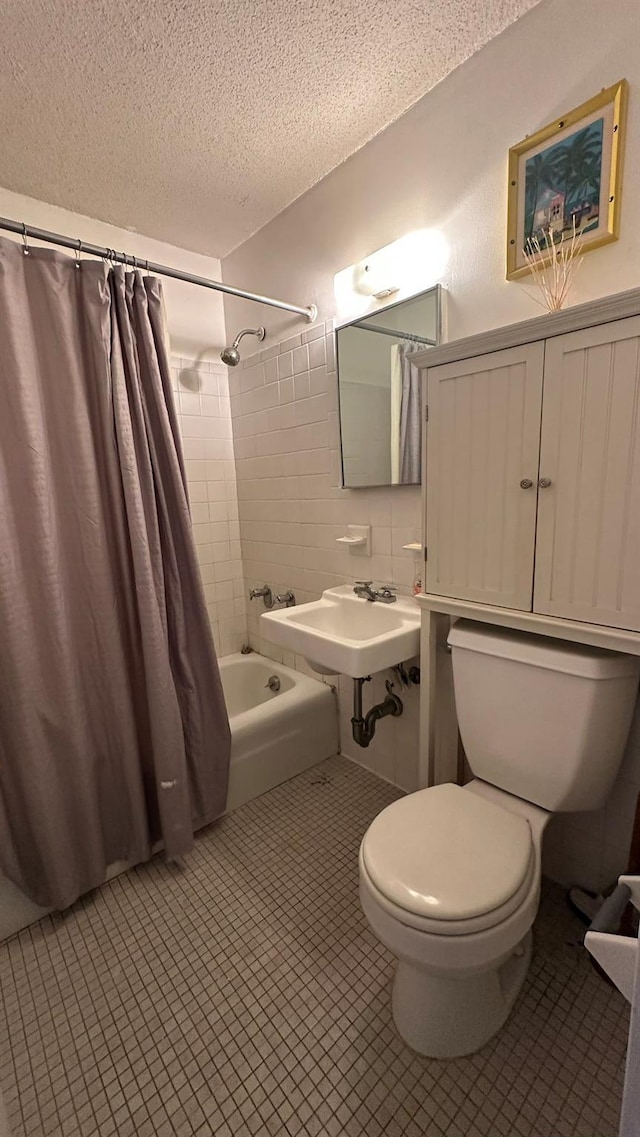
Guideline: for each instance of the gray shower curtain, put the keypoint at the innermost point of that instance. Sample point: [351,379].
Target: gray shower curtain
[410,419]
[113,727]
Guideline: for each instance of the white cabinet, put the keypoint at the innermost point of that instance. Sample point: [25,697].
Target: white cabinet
[588,529]
[531,493]
[533,476]
[483,447]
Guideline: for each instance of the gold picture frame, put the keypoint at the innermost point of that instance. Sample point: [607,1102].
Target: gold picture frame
[568,177]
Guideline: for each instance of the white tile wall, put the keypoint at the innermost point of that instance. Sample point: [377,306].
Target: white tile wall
[204,416]
[367,453]
[286,438]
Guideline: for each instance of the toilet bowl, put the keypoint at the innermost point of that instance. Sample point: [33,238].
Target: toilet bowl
[450,875]
[459,927]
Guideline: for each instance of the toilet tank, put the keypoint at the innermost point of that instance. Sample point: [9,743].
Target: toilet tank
[544,719]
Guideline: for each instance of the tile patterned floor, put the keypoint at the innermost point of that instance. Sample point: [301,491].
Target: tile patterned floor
[245,996]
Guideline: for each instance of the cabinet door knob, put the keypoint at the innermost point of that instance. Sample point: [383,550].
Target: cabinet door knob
[544,483]
[526,483]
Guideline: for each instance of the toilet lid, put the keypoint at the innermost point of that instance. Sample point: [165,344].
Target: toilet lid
[447,853]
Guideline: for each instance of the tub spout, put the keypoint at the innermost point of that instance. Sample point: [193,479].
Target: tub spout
[264,592]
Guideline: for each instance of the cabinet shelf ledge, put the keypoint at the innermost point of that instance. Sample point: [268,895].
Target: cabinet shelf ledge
[597,635]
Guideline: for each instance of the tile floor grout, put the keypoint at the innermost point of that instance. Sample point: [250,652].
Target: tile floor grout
[246,995]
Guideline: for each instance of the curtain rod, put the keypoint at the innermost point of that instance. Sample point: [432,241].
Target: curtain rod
[310,312]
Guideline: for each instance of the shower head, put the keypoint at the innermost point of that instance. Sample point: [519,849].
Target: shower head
[231,355]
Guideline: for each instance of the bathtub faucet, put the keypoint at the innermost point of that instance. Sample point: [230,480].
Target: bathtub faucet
[266,594]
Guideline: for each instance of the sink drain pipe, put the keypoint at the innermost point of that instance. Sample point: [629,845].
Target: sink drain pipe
[364,727]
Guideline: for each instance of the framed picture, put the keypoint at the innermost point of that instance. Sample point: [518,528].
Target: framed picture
[566,178]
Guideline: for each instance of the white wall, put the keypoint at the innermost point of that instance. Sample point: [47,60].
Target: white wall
[442,166]
[196,315]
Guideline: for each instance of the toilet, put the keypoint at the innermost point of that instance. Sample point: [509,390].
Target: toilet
[450,875]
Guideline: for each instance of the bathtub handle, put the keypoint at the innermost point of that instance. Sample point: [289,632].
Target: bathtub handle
[286,598]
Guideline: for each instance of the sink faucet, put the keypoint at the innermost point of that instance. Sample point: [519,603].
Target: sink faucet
[363,589]
[386,594]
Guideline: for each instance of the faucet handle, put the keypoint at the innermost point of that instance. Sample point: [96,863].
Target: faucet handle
[286,598]
[387,593]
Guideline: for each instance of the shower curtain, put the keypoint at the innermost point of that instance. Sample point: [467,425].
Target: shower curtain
[113,727]
[406,416]
[396,410]
[410,420]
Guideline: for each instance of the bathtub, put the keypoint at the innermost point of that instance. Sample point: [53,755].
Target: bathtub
[274,734]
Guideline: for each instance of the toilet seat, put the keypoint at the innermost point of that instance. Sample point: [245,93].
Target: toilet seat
[448,861]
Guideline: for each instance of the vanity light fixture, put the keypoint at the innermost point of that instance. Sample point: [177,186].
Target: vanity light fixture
[370,281]
[406,266]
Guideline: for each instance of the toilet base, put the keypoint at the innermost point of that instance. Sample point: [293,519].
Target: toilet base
[448,1018]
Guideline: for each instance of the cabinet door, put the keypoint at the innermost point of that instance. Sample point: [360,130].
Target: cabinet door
[588,541]
[482,471]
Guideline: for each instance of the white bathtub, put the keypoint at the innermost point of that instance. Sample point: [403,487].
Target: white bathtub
[274,735]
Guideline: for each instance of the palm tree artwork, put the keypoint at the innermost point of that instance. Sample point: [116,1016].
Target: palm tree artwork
[562,186]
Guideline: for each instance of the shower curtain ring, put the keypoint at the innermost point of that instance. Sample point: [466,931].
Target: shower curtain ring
[25,243]
[78,252]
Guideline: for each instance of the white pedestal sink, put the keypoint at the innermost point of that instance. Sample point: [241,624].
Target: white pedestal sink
[342,633]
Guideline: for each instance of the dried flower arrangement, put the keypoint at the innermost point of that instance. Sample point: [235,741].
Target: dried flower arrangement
[553,266]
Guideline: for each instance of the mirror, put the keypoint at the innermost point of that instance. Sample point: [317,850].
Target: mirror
[379,391]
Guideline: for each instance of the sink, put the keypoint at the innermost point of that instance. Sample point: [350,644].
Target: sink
[342,633]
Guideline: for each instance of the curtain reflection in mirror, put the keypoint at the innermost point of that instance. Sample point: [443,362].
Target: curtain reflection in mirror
[406,419]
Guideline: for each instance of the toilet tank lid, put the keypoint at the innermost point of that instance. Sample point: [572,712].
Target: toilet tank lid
[542,651]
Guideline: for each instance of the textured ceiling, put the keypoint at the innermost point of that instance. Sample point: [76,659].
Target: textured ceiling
[196,121]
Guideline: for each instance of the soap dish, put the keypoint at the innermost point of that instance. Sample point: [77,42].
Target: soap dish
[357,539]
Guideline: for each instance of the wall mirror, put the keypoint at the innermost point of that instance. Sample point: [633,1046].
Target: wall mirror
[379,391]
